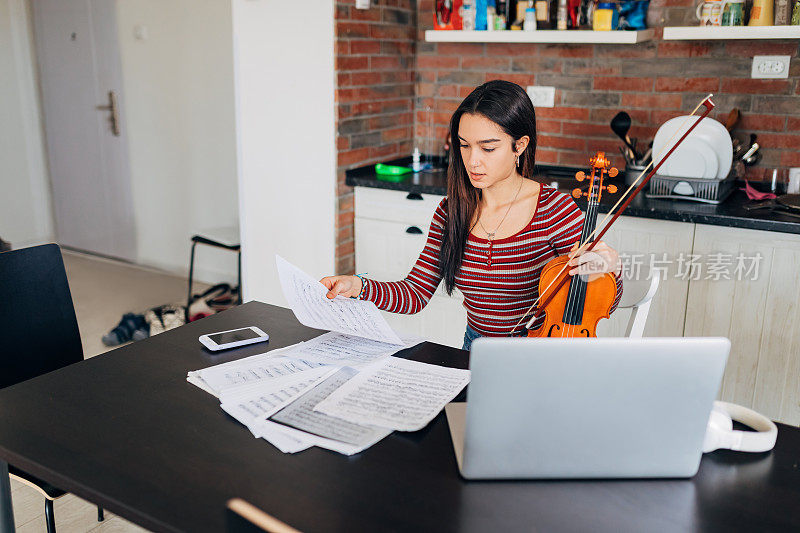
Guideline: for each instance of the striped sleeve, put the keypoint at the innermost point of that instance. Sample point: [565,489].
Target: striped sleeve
[413,293]
[569,232]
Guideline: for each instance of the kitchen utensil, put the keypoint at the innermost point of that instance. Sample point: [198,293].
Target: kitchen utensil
[391,172]
[778,180]
[621,124]
[733,117]
[684,160]
[696,190]
[709,12]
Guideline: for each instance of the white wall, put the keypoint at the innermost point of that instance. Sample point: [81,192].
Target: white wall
[178,87]
[25,210]
[285,126]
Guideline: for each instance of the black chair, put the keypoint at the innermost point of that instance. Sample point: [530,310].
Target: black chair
[243,517]
[40,332]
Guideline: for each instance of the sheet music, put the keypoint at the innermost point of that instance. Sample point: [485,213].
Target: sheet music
[395,393]
[312,308]
[257,401]
[346,350]
[248,370]
[300,415]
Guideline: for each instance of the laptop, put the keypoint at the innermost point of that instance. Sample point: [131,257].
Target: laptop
[586,408]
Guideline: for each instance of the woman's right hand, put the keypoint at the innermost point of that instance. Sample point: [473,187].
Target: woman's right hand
[349,286]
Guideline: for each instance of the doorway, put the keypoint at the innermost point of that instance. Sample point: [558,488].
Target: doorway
[84,121]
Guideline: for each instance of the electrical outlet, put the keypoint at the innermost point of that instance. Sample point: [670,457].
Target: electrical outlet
[542,96]
[362,4]
[770,67]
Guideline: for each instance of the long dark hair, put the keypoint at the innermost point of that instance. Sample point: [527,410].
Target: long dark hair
[507,105]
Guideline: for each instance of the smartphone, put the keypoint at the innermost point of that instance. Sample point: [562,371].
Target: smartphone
[223,340]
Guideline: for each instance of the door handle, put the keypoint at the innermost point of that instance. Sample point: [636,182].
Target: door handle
[112,106]
[414,230]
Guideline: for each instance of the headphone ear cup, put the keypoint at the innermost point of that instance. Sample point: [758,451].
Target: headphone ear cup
[719,427]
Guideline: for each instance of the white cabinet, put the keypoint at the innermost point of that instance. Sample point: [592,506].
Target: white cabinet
[758,313]
[642,243]
[390,232]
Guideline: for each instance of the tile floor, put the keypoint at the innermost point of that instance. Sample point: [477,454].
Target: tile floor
[102,291]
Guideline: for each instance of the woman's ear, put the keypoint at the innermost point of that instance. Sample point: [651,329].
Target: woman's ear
[521,144]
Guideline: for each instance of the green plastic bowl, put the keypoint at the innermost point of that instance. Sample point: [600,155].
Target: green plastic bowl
[391,172]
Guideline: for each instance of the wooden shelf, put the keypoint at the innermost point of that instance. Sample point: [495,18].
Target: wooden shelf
[687,33]
[539,36]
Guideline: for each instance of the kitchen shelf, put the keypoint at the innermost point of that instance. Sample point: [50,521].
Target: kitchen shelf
[538,36]
[688,33]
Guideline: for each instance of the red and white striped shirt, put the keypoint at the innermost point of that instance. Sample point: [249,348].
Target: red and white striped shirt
[496,295]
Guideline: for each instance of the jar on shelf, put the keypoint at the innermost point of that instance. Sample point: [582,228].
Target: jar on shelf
[606,17]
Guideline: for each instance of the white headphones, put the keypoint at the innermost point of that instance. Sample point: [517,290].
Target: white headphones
[721,435]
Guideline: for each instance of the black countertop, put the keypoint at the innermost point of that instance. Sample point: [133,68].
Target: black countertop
[730,213]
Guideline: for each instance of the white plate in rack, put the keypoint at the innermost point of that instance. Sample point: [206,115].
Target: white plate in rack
[707,152]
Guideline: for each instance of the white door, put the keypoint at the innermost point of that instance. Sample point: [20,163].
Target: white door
[81,79]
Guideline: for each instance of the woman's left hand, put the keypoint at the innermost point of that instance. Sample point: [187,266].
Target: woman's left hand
[600,260]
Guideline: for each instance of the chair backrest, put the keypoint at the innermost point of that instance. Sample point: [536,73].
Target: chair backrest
[243,517]
[38,327]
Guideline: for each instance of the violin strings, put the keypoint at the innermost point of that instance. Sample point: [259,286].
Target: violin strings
[583,246]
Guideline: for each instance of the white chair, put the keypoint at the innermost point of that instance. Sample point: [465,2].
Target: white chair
[637,296]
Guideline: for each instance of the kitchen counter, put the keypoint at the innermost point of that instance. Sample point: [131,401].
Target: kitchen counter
[730,213]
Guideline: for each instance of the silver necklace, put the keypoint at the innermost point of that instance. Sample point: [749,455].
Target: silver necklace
[490,235]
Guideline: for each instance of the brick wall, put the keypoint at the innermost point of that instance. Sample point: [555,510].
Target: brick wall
[652,81]
[396,91]
[375,51]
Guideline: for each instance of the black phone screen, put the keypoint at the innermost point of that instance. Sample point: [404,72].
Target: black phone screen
[234,336]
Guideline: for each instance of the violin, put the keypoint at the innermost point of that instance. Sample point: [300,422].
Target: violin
[575,310]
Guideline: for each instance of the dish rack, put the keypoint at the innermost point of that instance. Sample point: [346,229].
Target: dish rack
[694,189]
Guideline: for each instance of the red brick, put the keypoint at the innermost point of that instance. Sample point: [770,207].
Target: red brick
[383,62]
[493,63]
[779,140]
[396,134]
[582,129]
[700,85]
[352,157]
[790,158]
[520,79]
[384,152]
[751,86]
[370,15]
[683,49]
[352,29]
[458,49]
[365,78]
[658,101]
[548,126]
[365,47]
[551,141]
[603,115]
[437,62]
[391,32]
[563,112]
[352,63]
[754,122]
[342,143]
[792,124]
[623,84]
[546,156]
[761,48]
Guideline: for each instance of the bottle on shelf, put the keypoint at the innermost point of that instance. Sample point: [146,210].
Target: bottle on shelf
[480,15]
[545,14]
[468,15]
[561,16]
[416,163]
[530,19]
[491,13]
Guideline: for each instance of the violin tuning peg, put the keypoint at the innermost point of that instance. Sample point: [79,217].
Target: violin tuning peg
[612,188]
[613,172]
[580,176]
[576,193]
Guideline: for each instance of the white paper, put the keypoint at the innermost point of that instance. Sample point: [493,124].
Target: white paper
[323,430]
[257,401]
[395,393]
[312,308]
[346,350]
[216,379]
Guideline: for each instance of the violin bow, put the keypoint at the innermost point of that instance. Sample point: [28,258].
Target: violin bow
[631,193]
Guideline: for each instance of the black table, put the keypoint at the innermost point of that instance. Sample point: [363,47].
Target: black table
[125,430]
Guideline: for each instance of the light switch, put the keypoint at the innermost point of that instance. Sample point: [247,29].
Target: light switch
[542,96]
[362,4]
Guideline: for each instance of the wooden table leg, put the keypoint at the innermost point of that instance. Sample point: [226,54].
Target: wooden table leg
[6,510]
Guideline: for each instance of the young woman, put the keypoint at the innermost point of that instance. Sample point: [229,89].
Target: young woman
[497,227]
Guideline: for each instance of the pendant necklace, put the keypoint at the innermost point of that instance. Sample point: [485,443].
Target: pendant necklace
[490,235]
